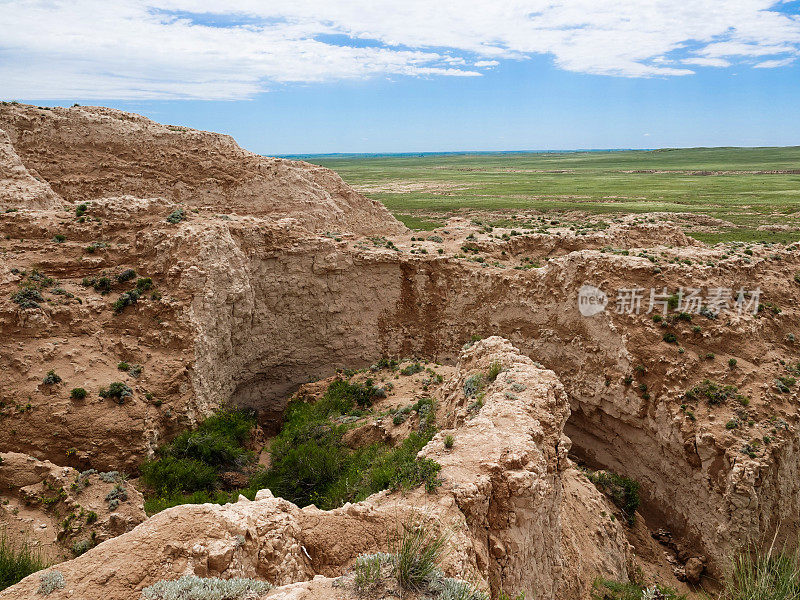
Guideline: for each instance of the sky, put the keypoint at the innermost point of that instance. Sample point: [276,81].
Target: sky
[326,76]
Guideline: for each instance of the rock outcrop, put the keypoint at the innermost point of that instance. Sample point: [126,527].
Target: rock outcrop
[502,504]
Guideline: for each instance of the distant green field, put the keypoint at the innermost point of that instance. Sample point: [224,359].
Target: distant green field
[733,184]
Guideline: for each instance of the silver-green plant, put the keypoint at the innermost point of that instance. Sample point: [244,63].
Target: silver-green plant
[191,587]
[50,581]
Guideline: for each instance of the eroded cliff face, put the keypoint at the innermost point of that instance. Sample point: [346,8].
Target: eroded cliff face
[500,504]
[267,281]
[272,316]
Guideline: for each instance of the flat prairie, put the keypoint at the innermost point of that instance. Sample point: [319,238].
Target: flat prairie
[752,194]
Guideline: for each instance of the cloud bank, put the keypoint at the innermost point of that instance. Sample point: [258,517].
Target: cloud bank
[198,49]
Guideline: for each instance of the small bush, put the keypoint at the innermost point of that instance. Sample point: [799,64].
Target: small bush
[474,384]
[191,587]
[123,366]
[772,575]
[670,338]
[713,393]
[412,369]
[456,589]
[732,363]
[27,297]
[81,209]
[419,550]
[624,491]
[605,589]
[126,275]
[125,299]
[50,581]
[95,246]
[17,562]
[494,370]
[117,391]
[193,460]
[78,393]
[51,378]
[100,284]
[144,283]
[59,238]
[81,546]
[369,569]
[118,492]
[176,216]
[449,441]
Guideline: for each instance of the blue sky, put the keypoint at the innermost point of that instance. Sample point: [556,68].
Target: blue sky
[386,76]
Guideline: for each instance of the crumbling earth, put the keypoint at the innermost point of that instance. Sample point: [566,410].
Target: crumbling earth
[252,276]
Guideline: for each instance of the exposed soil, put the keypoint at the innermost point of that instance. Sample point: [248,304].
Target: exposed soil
[274,273]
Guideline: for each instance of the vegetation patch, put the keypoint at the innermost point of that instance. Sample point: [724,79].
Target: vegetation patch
[623,491]
[713,393]
[17,562]
[310,461]
[117,391]
[606,589]
[312,465]
[191,587]
[772,575]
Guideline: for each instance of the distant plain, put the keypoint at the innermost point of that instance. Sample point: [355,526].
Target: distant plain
[756,191]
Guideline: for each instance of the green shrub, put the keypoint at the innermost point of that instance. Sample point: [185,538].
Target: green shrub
[193,461]
[81,209]
[494,370]
[713,393]
[474,384]
[311,464]
[191,587]
[772,575]
[125,299]
[456,589]
[176,216]
[77,393]
[27,297]
[51,378]
[670,338]
[624,491]
[59,238]
[82,546]
[126,275]
[369,568]
[412,369]
[117,391]
[418,550]
[17,562]
[123,366]
[449,441]
[144,283]
[169,474]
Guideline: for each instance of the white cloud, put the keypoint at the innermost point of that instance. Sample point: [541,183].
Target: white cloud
[774,64]
[706,62]
[126,49]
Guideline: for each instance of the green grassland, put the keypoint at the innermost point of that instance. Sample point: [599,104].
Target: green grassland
[734,184]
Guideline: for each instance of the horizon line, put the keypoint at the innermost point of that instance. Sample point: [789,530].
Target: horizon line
[481,152]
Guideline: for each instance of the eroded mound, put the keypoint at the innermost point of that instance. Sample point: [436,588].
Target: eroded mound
[87,153]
